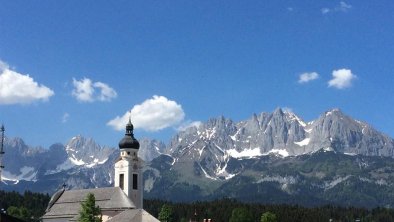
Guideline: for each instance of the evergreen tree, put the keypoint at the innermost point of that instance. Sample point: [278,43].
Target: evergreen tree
[28,206]
[21,213]
[166,213]
[268,217]
[89,212]
[241,214]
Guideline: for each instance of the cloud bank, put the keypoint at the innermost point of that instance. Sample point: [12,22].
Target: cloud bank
[87,91]
[342,78]
[17,88]
[153,114]
[307,77]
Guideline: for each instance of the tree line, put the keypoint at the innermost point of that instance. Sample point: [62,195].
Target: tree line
[31,206]
[225,210]
[28,206]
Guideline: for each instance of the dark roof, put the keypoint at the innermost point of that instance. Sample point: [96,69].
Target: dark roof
[54,198]
[133,215]
[69,203]
[128,140]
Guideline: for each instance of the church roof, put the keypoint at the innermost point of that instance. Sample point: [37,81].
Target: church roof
[128,141]
[133,215]
[69,203]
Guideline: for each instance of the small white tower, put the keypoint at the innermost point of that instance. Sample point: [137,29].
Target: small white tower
[128,174]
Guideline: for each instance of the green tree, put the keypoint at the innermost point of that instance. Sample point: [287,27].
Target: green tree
[268,217]
[166,214]
[19,212]
[89,211]
[13,211]
[241,214]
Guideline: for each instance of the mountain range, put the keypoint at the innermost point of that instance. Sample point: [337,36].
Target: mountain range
[271,157]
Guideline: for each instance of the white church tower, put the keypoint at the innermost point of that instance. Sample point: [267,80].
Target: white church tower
[128,174]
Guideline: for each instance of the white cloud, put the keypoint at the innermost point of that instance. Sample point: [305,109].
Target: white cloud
[152,115]
[188,124]
[65,117]
[342,78]
[342,7]
[306,77]
[87,91]
[325,10]
[17,88]
[106,92]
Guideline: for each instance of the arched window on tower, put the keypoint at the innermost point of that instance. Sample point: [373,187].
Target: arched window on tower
[135,181]
[121,181]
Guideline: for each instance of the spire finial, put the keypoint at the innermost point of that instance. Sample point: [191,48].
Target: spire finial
[129,126]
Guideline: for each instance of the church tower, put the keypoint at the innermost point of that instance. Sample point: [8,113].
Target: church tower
[128,174]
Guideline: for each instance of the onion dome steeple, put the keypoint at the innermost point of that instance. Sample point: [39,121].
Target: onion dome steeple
[128,141]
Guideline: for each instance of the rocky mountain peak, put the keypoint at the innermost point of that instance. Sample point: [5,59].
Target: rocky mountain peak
[150,149]
[281,132]
[15,142]
[85,151]
[278,112]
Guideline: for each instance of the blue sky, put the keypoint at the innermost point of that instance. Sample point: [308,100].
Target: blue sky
[77,67]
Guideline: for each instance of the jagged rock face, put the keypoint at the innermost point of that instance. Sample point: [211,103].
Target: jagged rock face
[204,147]
[82,151]
[211,145]
[271,131]
[222,157]
[19,155]
[150,149]
[343,134]
[286,132]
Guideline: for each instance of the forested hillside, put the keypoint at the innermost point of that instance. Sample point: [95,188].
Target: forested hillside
[28,206]
[31,206]
[223,211]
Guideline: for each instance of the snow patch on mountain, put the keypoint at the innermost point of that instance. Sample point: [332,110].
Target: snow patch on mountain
[304,142]
[206,174]
[222,172]
[75,161]
[293,117]
[279,179]
[328,149]
[26,173]
[248,153]
[381,181]
[281,152]
[330,184]
[96,162]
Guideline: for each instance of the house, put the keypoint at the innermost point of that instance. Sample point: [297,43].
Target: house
[121,203]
